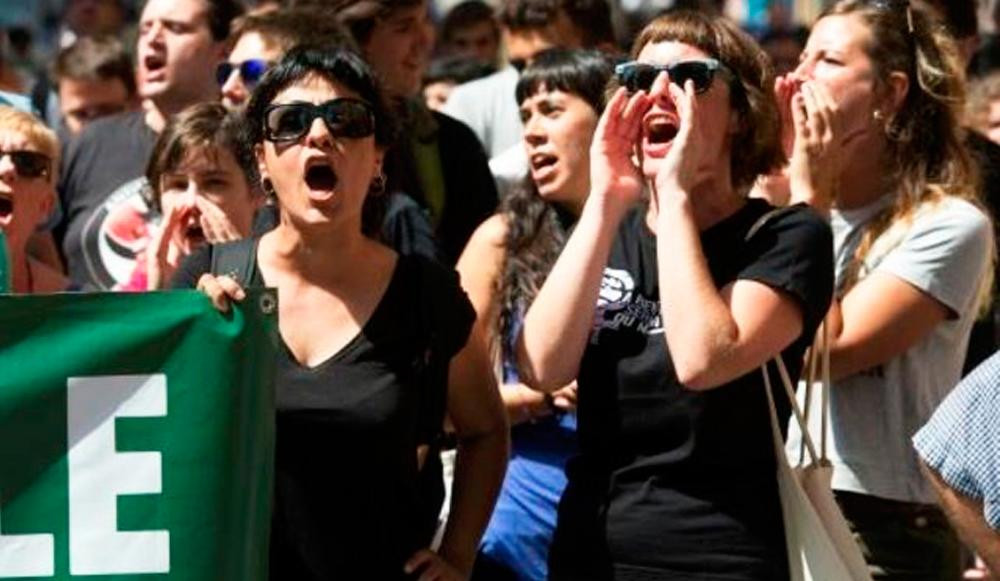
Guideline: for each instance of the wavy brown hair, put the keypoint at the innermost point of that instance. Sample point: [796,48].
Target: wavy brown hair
[756,145]
[926,149]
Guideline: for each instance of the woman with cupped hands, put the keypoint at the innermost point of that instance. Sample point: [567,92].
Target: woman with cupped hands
[664,306]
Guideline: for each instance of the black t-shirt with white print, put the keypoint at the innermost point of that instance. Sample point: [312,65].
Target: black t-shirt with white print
[673,483]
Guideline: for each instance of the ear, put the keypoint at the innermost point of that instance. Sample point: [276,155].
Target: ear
[258,154]
[47,201]
[896,88]
[379,158]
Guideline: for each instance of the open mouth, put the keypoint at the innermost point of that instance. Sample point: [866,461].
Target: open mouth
[194,234]
[6,206]
[321,177]
[154,63]
[541,161]
[661,130]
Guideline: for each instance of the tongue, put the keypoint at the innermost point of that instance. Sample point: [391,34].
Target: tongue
[321,177]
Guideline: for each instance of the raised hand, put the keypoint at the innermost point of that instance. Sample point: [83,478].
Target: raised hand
[613,172]
[682,168]
[815,163]
[785,88]
[162,257]
[215,224]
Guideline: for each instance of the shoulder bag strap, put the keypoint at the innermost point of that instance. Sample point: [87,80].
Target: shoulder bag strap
[235,260]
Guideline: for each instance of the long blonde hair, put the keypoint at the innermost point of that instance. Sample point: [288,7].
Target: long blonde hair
[926,143]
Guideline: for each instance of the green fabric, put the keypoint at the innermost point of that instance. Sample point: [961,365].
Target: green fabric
[71,366]
[4,264]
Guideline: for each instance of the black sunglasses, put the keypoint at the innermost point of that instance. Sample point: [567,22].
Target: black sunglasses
[29,164]
[251,70]
[343,117]
[636,76]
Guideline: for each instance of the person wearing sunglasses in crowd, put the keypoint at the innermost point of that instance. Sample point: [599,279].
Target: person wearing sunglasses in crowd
[29,154]
[875,104]
[376,347]
[258,40]
[690,291]
[562,95]
[437,161]
[198,188]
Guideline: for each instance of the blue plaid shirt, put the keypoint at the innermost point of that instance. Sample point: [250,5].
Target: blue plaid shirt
[961,442]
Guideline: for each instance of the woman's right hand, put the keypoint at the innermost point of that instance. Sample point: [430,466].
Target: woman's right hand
[613,173]
[220,290]
[162,257]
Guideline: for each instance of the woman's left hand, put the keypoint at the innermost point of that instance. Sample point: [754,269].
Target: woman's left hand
[215,224]
[432,567]
[682,167]
[815,163]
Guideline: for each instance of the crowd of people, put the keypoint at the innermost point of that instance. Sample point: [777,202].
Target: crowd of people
[547,258]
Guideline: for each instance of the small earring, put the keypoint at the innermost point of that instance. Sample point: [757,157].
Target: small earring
[268,187]
[378,184]
[878,115]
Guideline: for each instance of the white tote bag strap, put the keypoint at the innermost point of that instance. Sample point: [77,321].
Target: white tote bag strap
[796,410]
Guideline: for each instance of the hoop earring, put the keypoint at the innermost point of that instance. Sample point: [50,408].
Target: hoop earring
[268,188]
[377,186]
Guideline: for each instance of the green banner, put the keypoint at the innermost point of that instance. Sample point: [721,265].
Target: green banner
[136,436]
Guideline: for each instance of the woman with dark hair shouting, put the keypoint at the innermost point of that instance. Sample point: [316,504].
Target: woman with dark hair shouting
[376,348]
[664,309]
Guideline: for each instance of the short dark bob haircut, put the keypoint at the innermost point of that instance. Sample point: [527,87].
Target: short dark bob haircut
[338,65]
[583,73]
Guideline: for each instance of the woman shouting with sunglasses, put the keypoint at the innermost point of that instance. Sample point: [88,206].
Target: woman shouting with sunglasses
[376,348]
[29,154]
[664,307]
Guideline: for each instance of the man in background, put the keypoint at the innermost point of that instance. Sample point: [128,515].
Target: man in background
[102,189]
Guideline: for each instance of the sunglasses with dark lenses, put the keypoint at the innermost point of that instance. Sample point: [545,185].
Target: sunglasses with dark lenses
[251,70]
[636,76]
[343,117]
[29,164]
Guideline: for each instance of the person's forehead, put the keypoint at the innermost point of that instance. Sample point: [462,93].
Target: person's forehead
[253,45]
[415,10]
[177,10]
[314,89]
[208,159]
[12,138]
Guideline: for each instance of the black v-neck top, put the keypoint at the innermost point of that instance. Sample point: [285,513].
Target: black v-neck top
[349,501]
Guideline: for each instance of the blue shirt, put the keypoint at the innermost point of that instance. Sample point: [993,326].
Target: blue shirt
[961,442]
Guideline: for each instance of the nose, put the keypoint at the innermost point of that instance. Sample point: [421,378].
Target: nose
[804,69]
[319,135]
[534,131]
[234,92]
[7,169]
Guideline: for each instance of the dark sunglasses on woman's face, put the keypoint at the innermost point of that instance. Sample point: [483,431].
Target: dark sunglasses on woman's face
[343,117]
[636,76]
[29,164]
[251,70]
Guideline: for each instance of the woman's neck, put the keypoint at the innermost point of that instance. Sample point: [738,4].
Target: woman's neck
[864,178]
[711,202]
[322,251]
[21,280]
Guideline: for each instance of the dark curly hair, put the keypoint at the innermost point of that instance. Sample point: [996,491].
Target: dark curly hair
[536,229]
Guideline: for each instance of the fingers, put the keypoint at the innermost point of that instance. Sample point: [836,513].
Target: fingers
[612,113]
[214,222]
[631,120]
[220,290]
[168,226]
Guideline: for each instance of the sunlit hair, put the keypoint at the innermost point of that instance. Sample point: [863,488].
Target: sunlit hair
[756,146]
[205,129]
[536,229]
[40,137]
[925,141]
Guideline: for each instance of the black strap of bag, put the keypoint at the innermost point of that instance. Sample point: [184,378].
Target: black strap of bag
[236,260]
